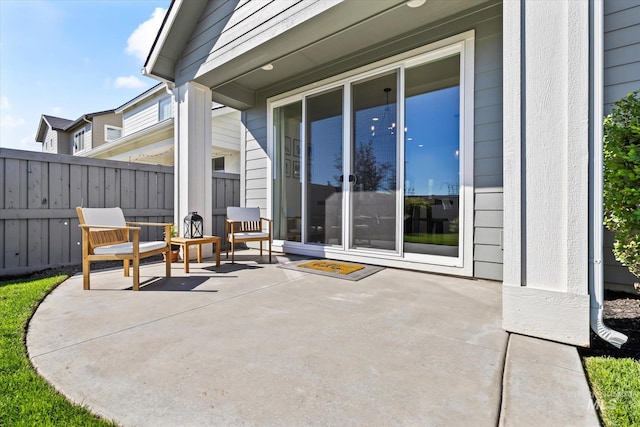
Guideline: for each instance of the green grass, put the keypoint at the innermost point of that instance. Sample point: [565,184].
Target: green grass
[26,399]
[616,386]
[450,239]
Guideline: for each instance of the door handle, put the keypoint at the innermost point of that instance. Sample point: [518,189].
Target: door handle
[352,178]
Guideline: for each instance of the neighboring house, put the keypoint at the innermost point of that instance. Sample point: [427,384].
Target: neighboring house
[140,131]
[51,133]
[77,137]
[459,137]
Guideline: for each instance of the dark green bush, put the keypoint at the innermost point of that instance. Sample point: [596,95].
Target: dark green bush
[622,179]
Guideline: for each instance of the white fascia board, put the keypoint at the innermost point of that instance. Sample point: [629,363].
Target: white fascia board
[121,143]
[142,97]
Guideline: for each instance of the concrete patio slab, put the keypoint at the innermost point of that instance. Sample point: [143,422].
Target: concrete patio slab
[254,344]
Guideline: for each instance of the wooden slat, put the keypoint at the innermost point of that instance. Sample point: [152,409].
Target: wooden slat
[3,178]
[12,184]
[38,222]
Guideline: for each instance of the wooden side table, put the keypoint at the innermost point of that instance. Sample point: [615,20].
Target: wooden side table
[185,242]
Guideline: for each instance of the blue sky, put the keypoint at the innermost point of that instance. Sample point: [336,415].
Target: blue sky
[66,58]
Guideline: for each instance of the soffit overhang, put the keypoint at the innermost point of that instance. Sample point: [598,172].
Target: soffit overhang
[345,36]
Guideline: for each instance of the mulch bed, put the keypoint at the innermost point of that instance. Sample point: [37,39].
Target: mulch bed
[621,313]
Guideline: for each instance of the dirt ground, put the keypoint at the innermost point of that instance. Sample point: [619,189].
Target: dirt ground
[621,313]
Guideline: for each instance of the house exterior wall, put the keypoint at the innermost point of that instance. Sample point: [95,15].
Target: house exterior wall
[621,76]
[88,130]
[487,136]
[547,142]
[225,134]
[142,116]
[228,29]
[98,134]
[57,142]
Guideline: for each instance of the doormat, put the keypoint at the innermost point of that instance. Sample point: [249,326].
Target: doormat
[332,266]
[338,269]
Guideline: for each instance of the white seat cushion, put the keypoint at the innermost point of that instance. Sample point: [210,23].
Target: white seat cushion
[104,216]
[235,213]
[127,248]
[248,235]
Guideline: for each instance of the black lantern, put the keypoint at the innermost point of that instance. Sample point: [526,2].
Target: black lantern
[193,226]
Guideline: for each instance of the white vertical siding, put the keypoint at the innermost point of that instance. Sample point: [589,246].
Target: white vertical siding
[621,76]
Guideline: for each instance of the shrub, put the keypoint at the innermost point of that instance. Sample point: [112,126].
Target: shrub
[622,179]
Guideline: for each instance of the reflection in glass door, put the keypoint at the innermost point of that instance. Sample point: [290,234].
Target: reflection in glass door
[372,174]
[287,188]
[324,128]
[432,158]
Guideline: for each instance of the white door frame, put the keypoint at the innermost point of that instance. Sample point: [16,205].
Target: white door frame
[462,44]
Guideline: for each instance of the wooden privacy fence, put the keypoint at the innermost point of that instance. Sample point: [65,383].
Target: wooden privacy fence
[39,194]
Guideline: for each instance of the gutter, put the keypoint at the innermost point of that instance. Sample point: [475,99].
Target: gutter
[596,282]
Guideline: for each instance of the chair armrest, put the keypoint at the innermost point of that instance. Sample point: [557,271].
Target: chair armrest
[151,224]
[107,227]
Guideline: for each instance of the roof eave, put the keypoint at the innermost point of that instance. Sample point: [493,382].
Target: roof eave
[171,39]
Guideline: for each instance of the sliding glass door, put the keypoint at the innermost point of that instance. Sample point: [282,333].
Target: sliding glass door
[324,127]
[373,166]
[380,164]
[432,158]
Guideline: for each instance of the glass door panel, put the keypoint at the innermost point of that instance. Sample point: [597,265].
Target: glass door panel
[324,129]
[287,188]
[373,167]
[432,158]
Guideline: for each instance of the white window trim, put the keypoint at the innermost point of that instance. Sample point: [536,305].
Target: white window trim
[160,102]
[82,133]
[462,44]
[106,132]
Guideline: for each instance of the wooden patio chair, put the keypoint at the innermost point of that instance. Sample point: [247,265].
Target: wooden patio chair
[246,225]
[107,236]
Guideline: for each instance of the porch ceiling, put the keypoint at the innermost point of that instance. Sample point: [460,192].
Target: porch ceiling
[346,36]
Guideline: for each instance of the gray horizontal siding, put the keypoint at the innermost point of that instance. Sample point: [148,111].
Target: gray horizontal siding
[229,29]
[488,204]
[621,76]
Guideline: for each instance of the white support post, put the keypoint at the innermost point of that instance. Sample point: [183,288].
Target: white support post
[546,173]
[192,140]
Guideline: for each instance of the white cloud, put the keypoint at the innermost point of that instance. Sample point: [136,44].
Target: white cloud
[4,103]
[140,41]
[10,122]
[56,111]
[28,141]
[130,82]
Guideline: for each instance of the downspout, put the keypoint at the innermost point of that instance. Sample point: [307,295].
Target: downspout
[596,282]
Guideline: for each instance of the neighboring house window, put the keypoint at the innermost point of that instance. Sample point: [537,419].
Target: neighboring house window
[164,109]
[78,141]
[112,132]
[218,164]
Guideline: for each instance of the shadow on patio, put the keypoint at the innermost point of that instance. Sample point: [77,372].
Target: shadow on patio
[256,344]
